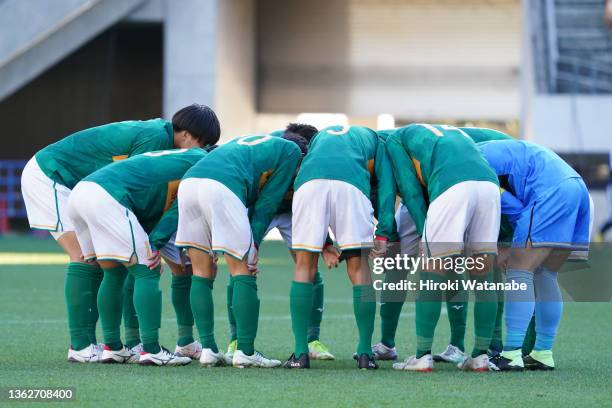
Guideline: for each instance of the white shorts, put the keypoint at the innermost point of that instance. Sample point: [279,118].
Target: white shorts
[321,203]
[467,213]
[406,228]
[46,201]
[106,230]
[213,219]
[283,223]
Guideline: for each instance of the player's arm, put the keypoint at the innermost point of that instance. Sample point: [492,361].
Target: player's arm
[165,228]
[511,206]
[407,182]
[271,195]
[149,143]
[386,193]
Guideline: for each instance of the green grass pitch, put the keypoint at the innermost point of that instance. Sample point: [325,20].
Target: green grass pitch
[33,340]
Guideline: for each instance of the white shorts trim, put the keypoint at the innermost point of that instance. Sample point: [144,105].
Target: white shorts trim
[321,204]
[45,200]
[105,229]
[213,219]
[463,219]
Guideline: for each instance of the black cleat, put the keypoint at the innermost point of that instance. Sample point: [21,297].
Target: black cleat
[298,362]
[366,362]
[535,365]
[503,364]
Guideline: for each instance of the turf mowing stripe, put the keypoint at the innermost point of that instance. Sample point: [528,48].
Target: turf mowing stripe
[51,258]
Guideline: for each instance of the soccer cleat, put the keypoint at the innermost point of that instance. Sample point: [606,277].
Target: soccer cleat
[89,354]
[510,360]
[231,349]
[209,358]
[494,361]
[319,351]
[135,351]
[257,359]
[412,363]
[298,362]
[539,360]
[382,352]
[452,354]
[163,358]
[192,350]
[478,364]
[366,362]
[115,356]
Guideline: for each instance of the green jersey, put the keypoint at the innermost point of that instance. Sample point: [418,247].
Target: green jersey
[258,169]
[358,156]
[75,157]
[484,135]
[434,157]
[147,184]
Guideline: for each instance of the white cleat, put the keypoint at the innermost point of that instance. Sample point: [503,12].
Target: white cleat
[452,355]
[163,358]
[478,364]
[241,360]
[89,354]
[209,358]
[192,350]
[109,356]
[135,352]
[423,364]
[382,352]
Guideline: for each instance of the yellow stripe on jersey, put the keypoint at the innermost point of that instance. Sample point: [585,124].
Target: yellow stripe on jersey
[417,169]
[263,179]
[172,193]
[119,158]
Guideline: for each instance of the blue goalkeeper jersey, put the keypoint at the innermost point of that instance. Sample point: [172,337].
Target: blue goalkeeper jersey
[531,171]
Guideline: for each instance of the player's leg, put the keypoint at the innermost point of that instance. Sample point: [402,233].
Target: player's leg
[444,230]
[310,221]
[181,270]
[231,236]
[391,302]
[131,329]
[352,222]
[46,205]
[482,234]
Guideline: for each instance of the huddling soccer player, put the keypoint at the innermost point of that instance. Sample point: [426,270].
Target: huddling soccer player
[214,200]
[49,177]
[548,204]
[282,221]
[462,217]
[332,190]
[123,215]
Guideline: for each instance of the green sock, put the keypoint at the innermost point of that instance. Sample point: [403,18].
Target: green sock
[316,314]
[181,288]
[110,300]
[530,338]
[245,305]
[148,304]
[427,309]
[93,308]
[391,303]
[130,320]
[79,298]
[364,307]
[485,312]
[203,311]
[456,308]
[300,305]
[497,344]
[230,312]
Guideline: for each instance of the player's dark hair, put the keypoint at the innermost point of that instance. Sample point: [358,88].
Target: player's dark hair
[302,129]
[298,140]
[200,121]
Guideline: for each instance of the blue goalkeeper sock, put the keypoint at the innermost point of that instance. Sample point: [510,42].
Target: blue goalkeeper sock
[519,307]
[548,308]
